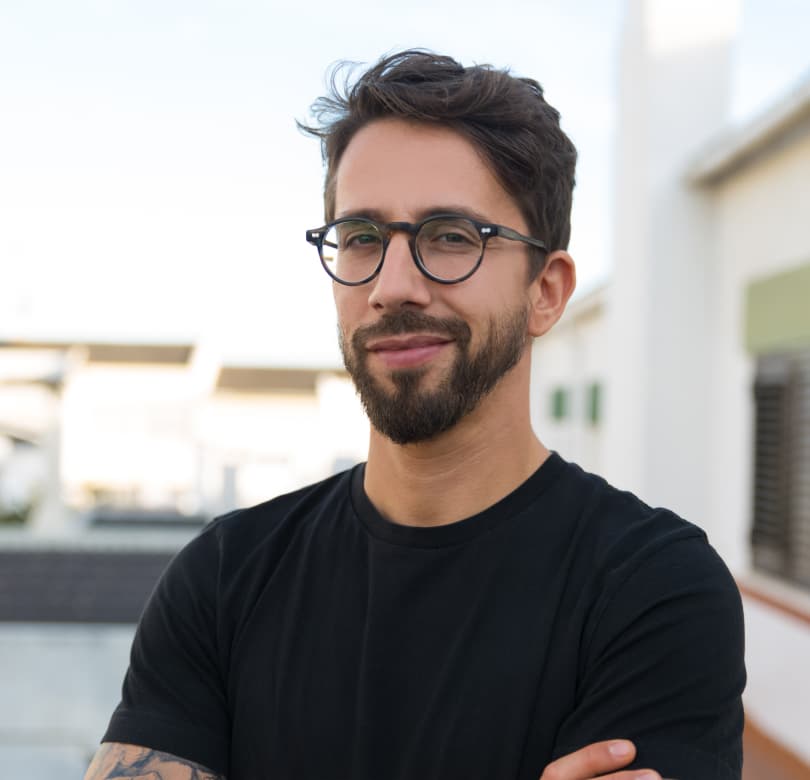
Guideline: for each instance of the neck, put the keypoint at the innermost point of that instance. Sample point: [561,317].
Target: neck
[460,472]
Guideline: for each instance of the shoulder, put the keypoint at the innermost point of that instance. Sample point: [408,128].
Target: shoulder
[644,560]
[306,502]
[242,530]
[614,527]
[236,552]
[630,553]
[210,588]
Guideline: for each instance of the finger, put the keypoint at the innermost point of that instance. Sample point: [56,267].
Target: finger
[592,760]
[631,774]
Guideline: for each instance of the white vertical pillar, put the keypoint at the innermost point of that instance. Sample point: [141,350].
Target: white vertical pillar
[674,95]
[49,517]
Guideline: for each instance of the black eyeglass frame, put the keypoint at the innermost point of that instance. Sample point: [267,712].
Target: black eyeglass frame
[486,230]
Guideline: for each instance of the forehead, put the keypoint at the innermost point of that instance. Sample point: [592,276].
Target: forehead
[403,169]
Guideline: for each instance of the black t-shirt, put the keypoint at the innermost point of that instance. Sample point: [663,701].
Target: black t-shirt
[308,637]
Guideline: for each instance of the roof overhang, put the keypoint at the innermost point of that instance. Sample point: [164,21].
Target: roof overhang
[114,352]
[256,379]
[734,149]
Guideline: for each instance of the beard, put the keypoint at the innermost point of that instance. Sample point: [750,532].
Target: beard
[409,414]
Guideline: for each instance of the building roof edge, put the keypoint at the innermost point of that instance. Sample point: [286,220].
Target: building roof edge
[733,148]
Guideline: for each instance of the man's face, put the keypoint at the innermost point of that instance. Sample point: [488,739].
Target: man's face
[423,354]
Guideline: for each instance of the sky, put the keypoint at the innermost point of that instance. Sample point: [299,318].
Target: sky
[153,184]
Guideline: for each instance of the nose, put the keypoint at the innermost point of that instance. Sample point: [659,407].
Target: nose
[400,283]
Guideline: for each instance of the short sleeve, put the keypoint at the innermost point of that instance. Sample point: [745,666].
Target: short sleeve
[663,665]
[173,697]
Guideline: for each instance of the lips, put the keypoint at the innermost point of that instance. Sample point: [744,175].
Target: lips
[398,343]
[408,351]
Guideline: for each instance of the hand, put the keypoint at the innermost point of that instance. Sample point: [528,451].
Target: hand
[594,760]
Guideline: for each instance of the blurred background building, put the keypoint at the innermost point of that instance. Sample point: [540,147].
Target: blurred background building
[113,456]
[683,375]
[686,377]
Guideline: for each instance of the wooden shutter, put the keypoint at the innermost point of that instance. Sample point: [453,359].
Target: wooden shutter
[780,534]
[799,517]
[771,488]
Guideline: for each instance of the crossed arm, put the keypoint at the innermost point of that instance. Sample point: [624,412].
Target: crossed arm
[115,761]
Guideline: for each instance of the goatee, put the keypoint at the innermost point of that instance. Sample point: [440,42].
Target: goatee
[409,414]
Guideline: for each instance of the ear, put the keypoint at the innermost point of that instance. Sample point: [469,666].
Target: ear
[550,290]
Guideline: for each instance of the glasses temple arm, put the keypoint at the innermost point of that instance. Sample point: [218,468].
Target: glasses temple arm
[506,232]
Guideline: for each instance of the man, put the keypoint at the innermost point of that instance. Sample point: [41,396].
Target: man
[466,604]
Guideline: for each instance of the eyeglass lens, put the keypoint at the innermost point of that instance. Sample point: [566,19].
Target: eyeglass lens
[449,248]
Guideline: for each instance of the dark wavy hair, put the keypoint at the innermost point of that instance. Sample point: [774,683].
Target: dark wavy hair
[505,117]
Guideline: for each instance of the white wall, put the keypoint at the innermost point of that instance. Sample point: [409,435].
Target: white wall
[162,436]
[777,649]
[274,443]
[573,355]
[128,428]
[674,95]
[762,228]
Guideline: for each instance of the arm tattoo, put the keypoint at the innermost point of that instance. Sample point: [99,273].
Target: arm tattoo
[116,761]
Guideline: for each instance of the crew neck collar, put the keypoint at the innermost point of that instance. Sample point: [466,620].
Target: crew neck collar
[457,532]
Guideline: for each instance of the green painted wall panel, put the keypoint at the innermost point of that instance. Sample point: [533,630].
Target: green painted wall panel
[778,312]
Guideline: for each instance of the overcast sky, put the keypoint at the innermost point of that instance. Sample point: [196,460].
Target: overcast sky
[153,183]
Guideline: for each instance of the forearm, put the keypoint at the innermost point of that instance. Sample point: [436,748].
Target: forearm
[116,760]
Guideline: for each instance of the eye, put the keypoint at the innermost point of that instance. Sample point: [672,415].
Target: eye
[456,234]
[452,237]
[362,238]
[353,236]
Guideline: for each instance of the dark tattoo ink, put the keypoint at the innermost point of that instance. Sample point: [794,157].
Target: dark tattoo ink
[117,762]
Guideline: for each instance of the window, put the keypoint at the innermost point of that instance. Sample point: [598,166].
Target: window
[559,403]
[593,403]
[780,534]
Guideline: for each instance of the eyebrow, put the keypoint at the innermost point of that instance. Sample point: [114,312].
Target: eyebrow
[379,216]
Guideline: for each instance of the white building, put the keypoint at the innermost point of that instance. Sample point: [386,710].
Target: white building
[701,340]
[170,427]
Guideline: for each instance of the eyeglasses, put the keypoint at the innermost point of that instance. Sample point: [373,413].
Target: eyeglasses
[446,248]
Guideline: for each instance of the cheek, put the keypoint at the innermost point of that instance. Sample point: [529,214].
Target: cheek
[479,303]
[350,306]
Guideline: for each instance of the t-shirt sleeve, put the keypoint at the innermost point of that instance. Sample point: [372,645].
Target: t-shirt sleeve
[663,665]
[174,696]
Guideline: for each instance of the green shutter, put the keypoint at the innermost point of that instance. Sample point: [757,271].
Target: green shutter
[593,412]
[559,403]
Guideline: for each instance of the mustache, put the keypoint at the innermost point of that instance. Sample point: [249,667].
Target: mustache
[407,321]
